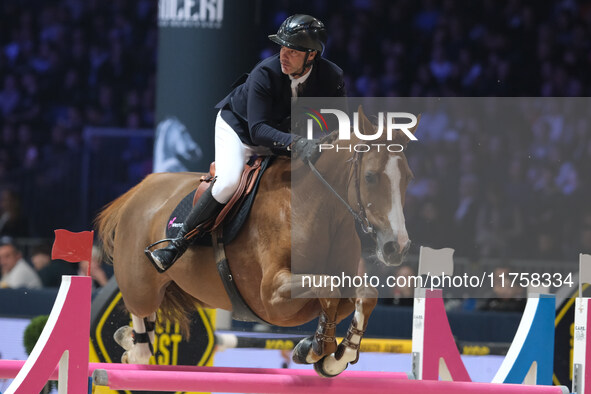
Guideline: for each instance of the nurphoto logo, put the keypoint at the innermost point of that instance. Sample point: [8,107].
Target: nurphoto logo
[403,121]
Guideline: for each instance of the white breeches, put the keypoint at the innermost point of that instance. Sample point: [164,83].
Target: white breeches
[231,155]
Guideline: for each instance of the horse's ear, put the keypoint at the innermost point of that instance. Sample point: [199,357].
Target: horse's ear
[365,125]
[402,138]
[412,130]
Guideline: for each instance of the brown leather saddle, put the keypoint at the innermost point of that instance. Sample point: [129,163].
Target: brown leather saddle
[233,215]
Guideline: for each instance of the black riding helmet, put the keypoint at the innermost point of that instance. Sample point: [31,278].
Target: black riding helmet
[302,33]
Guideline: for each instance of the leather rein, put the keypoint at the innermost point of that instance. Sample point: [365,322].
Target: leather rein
[361,216]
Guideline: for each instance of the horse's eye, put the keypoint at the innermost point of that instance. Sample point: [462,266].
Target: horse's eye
[371,177]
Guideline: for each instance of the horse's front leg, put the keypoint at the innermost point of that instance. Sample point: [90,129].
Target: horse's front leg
[348,349]
[282,288]
[312,349]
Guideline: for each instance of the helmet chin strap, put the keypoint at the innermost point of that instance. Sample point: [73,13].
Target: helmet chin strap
[305,66]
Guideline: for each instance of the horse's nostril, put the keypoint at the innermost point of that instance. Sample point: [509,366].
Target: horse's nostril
[406,247]
[390,248]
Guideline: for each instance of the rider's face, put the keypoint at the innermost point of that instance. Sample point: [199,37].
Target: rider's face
[292,60]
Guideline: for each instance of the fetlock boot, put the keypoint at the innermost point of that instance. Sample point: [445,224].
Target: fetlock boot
[206,208]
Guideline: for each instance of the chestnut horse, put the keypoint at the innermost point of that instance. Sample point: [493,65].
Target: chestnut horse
[372,183]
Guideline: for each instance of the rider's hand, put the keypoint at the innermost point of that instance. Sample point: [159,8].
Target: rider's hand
[305,149]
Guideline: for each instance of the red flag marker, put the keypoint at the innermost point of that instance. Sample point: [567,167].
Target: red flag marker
[73,247]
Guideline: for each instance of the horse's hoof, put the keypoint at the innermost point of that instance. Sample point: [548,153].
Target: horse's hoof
[124,338]
[301,351]
[125,358]
[319,367]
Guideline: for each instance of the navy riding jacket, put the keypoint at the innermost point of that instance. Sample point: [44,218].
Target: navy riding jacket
[259,109]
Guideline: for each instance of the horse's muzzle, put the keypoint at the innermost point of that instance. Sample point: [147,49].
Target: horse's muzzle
[394,253]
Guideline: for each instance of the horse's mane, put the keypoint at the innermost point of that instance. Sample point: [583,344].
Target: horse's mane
[330,138]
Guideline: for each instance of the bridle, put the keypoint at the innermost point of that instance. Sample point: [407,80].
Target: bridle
[360,216]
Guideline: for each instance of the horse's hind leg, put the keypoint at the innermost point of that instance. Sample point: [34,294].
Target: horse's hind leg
[138,341]
[142,291]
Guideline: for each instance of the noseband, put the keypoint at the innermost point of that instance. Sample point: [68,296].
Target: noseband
[361,216]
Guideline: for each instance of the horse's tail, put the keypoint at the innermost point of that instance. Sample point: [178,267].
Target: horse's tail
[176,307]
[107,220]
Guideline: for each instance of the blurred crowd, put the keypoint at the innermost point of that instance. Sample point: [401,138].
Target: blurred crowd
[410,48]
[506,189]
[67,64]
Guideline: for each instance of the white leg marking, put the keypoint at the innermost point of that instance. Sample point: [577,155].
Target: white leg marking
[333,366]
[139,353]
[152,334]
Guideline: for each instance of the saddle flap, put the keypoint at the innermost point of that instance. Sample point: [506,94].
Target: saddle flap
[247,181]
[234,213]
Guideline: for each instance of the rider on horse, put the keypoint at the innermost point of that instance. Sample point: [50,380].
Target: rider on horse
[254,118]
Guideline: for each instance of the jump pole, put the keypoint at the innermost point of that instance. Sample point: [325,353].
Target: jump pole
[231,340]
[435,353]
[10,368]
[282,384]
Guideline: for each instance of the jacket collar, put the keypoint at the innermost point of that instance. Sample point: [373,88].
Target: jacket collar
[310,85]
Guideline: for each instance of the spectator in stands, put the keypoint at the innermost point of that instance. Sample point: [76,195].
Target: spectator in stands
[499,224]
[464,219]
[430,226]
[40,257]
[16,272]
[50,271]
[402,295]
[505,297]
[585,241]
[98,272]
[547,245]
[10,95]
[12,222]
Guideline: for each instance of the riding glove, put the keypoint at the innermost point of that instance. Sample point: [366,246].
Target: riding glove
[305,149]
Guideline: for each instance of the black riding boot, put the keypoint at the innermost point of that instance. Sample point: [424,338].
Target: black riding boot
[206,208]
